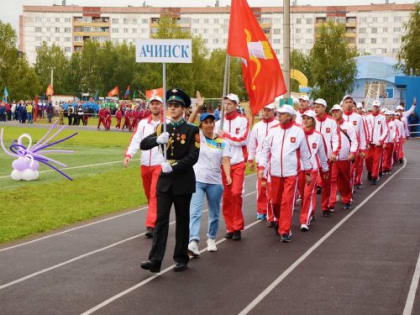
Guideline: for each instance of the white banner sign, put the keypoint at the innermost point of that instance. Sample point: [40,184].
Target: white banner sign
[164,50]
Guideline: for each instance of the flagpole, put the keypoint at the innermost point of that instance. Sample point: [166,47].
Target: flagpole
[164,104]
[286,45]
[225,88]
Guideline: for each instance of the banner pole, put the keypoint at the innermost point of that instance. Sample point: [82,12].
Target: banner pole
[164,104]
[225,88]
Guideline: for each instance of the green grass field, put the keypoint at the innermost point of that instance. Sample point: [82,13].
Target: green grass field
[100,186]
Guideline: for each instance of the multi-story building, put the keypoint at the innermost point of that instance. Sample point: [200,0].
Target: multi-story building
[372,29]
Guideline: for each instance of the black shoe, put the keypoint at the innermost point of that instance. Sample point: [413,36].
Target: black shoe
[347,206]
[375,181]
[331,209]
[236,236]
[180,267]
[401,161]
[271,224]
[369,177]
[318,190]
[149,233]
[229,235]
[359,186]
[326,213]
[285,238]
[150,265]
[381,175]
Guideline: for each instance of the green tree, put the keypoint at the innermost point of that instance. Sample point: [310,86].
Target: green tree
[409,56]
[332,63]
[48,58]
[301,62]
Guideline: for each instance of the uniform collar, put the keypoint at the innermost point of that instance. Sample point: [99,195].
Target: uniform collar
[323,118]
[309,132]
[340,122]
[232,115]
[178,123]
[302,110]
[287,125]
[348,113]
[268,120]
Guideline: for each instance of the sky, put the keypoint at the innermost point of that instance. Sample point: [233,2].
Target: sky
[11,9]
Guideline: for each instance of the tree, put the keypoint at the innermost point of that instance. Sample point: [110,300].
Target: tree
[301,62]
[15,72]
[332,63]
[408,56]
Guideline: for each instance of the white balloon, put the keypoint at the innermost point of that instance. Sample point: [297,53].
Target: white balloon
[16,175]
[29,175]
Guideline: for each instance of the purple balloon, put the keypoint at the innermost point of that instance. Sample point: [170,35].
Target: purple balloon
[34,166]
[21,164]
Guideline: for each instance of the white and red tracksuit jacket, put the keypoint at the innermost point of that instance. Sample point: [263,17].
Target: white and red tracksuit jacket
[345,140]
[377,128]
[391,136]
[285,151]
[318,149]
[357,121]
[256,139]
[327,127]
[400,129]
[236,130]
[366,129]
[145,127]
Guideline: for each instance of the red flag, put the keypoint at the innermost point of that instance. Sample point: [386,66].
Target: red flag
[261,70]
[114,92]
[154,92]
[49,91]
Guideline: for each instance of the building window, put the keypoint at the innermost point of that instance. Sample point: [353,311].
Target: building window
[308,41]
[205,40]
[38,19]
[38,38]
[397,19]
[308,31]
[115,30]
[67,49]
[38,29]
[373,40]
[309,21]
[144,30]
[196,21]
[277,51]
[298,30]
[384,51]
[226,21]
[297,40]
[362,40]
[215,41]
[216,21]
[67,20]
[394,50]
[78,38]
[134,21]
[277,31]
[276,41]
[384,40]
[125,21]
[134,30]
[396,40]
[114,21]
[298,21]
[57,30]
[216,31]
[362,30]
[125,30]
[205,31]
[206,21]
[67,30]
[375,19]
[67,39]
[277,21]
[374,30]
[48,20]
[385,29]
[385,19]
[144,21]
[57,39]
[397,29]
[363,19]
[57,20]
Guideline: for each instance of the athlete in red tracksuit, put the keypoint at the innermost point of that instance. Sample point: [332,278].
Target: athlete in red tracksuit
[399,153]
[285,152]
[258,133]
[359,169]
[327,127]
[378,131]
[345,146]
[127,119]
[389,143]
[319,162]
[235,130]
[102,116]
[108,119]
[118,116]
[150,159]
[357,121]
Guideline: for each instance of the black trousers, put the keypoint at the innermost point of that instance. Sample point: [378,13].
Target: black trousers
[160,233]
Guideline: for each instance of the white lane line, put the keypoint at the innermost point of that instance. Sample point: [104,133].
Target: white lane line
[75,167]
[409,303]
[411,178]
[147,280]
[79,227]
[292,267]
[64,263]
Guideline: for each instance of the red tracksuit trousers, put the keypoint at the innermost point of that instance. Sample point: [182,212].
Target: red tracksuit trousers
[262,197]
[309,200]
[101,121]
[387,158]
[326,189]
[150,175]
[233,198]
[341,181]
[283,191]
[359,170]
[373,160]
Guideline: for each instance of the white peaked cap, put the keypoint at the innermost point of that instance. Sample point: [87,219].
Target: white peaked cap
[286,109]
[271,106]
[376,103]
[336,107]
[304,97]
[232,97]
[359,105]
[320,101]
[309,113]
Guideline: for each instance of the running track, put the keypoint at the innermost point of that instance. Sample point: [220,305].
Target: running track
[362,261]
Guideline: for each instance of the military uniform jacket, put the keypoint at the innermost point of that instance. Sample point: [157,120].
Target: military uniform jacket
[183,150]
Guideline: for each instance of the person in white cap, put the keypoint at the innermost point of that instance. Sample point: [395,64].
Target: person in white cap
[280,156]
[359,168]
[345,146]
[235,131]
[405,114]
[303,107]
[319,162]
[258,134]
[150,160]
[350,115]
[327,127]
[389,143]
[377,131]
[399,151]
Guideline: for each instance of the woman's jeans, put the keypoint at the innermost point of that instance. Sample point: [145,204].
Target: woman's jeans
[213,193]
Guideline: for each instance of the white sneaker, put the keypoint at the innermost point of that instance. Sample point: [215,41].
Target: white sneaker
[193,249]
[304,228]
[211,245]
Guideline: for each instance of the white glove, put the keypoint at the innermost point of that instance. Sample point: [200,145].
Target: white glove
[163,138]
[166,167]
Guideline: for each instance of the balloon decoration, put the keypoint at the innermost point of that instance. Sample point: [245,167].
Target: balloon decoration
[29,157]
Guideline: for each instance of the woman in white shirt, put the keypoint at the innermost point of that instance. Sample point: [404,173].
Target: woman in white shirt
[214,154]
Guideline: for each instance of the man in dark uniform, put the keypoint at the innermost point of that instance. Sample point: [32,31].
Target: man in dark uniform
[176,183]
